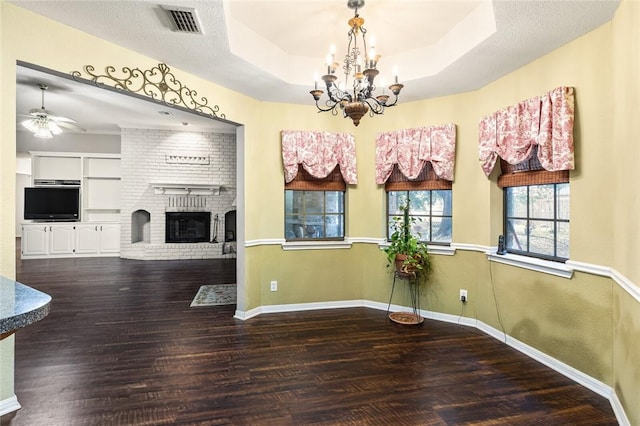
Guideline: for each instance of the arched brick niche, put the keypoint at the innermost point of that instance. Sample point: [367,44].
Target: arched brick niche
[140,227]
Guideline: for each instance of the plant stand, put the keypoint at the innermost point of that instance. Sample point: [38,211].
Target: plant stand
[407,318]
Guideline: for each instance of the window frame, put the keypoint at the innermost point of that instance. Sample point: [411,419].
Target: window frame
[341,214]
[528,218]
[389,216]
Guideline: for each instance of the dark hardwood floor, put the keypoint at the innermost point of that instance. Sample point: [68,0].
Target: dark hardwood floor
[121,346]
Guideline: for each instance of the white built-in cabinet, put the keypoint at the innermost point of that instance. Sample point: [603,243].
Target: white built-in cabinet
[40,239]
[98,238]
[98,231]
[56,239]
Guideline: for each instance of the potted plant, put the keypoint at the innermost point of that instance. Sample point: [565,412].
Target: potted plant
[406,251]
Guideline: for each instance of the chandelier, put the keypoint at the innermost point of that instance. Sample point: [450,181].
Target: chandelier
[355,95]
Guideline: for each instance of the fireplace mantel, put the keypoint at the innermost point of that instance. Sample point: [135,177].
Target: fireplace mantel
[186,189]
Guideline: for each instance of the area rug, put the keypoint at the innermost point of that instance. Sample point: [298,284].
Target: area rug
[211,295]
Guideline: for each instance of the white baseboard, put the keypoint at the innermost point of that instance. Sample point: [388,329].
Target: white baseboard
[566,370]
[9,405]
[271,309]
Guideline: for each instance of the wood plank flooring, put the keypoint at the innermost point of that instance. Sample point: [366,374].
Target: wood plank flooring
[121,346]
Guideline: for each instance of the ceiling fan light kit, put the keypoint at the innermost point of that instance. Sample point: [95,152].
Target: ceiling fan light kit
[41,127]
[44,123]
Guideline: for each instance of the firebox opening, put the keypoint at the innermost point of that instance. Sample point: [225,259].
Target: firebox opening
[188,227]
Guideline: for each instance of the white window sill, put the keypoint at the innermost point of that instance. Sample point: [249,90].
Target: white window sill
[432,249]
[534,264]
[315,245]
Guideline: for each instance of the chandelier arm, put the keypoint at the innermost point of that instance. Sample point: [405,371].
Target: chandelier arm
[335,95]
[395,101]
[375,107]
[331,106]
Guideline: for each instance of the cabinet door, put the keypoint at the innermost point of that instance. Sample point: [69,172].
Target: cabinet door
[61,239]
[34,240]
[110,238]
[87,239]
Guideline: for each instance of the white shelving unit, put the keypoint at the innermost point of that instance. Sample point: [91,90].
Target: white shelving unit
[98,231]
[56,166]
[101,188]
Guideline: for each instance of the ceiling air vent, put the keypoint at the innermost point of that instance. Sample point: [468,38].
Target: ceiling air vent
[184,19]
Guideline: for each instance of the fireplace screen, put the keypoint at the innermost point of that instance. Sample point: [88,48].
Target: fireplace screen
[188,227]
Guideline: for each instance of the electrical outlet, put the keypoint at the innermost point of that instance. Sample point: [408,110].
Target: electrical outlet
[463,296]
[274,285]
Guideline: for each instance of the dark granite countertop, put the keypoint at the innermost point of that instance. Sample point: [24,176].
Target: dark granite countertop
[20,306]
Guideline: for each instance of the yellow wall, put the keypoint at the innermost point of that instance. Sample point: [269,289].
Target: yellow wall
[588,322]
[7,192]
[626,207]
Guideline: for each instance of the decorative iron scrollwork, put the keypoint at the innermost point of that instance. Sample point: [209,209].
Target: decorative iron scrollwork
[158,83]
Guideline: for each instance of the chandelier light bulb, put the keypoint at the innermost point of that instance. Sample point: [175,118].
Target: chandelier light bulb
[372,58]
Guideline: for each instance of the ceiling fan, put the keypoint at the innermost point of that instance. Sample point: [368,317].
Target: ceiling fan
[43,123]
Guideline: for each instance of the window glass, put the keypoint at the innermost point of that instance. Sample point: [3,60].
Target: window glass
[541,237]
[541,201]
[395,199]
[562,200]
[517,201]
[314,214]
[563,240]
[516,235]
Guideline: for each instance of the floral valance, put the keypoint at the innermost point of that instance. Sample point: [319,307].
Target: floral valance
[546,121]
[411,148]
[319,153]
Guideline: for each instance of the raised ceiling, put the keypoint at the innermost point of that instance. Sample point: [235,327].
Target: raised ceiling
[270,50]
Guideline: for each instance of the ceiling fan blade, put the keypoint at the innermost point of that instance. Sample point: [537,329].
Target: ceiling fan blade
[70,126]
[62,119]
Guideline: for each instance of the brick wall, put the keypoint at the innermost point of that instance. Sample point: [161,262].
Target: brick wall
[165,156]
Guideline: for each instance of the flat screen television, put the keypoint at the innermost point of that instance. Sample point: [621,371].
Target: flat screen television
[49,203]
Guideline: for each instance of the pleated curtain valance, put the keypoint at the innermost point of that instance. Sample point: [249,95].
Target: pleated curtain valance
[545,121]
[410,149]
[319,153]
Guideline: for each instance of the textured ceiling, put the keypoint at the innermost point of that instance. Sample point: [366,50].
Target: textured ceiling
[270,50]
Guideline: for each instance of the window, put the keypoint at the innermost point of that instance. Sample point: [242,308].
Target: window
[431,208]
[537,220]
[429,202]
[314,214]
[317,168]
[314,208]
[536,209]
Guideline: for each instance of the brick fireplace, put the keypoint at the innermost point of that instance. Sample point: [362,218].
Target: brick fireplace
[179,185]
